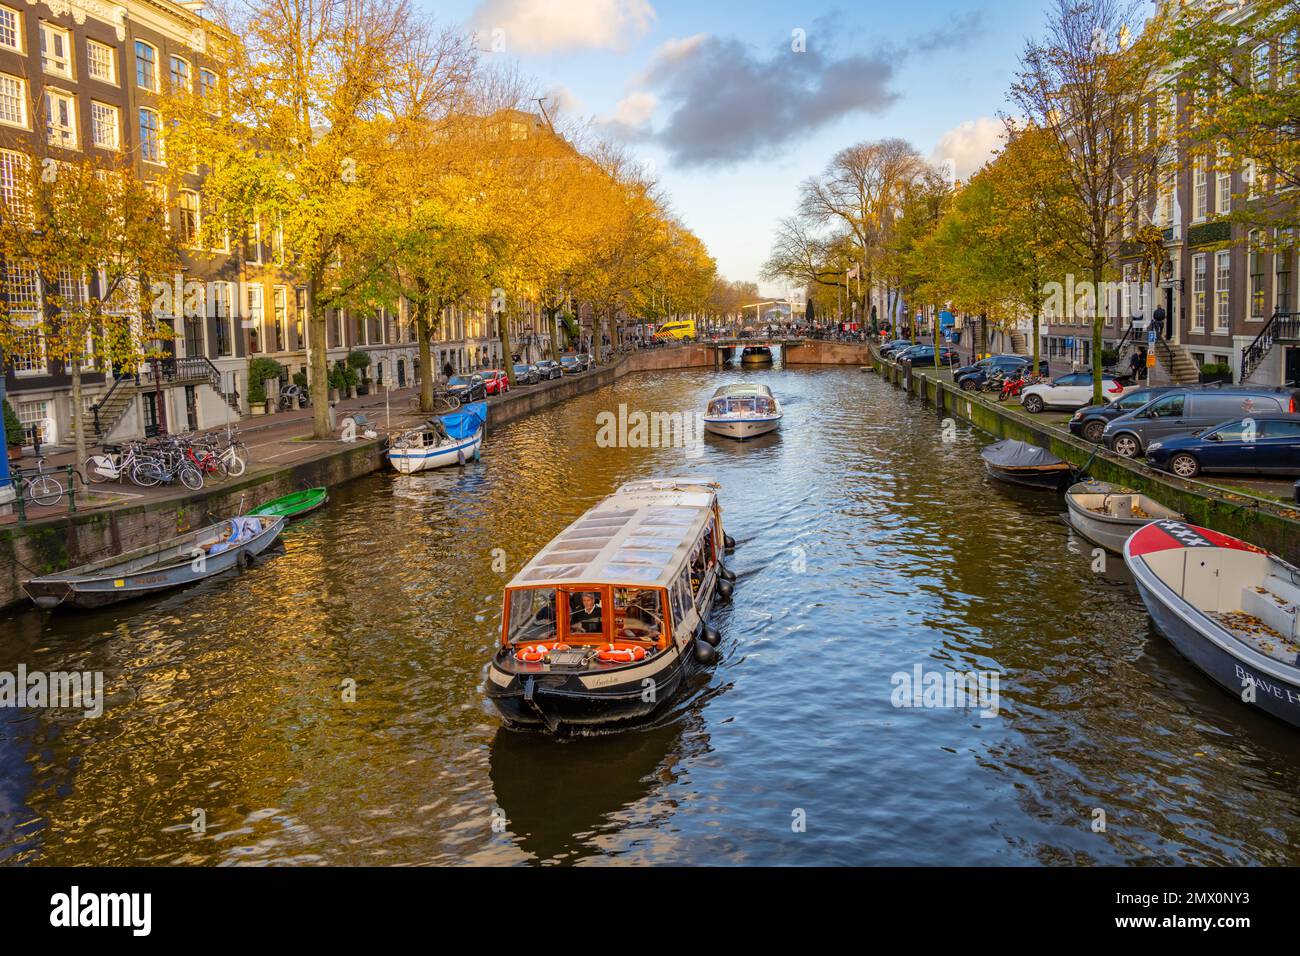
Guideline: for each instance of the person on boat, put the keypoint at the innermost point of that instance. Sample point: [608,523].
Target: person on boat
[586,618]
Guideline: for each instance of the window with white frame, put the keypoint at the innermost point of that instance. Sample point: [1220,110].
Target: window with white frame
[146,66]
[56,50]
[104,131]
[180,73]
[255,317]
[1222,299]
[1165,199]
[1200,190]
[187,202]
[1256,262]
[1198,291]
[1223,183]
[208,85]
[13,100]
[36,421]
[12,169]
[221,311]
[253,243]
[11,29]
[1130,280]
[280,304]
[1282,277]
[61,119]
[150,135]
[1288,58]
[22,288]
[101,62]
[1259,66]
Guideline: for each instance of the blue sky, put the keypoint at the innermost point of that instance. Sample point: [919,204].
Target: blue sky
[731,119]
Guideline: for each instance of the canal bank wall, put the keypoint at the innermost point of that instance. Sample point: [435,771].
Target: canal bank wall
[1268,524]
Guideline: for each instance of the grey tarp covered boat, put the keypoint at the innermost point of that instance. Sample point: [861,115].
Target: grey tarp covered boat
[1020,463]
[173,563]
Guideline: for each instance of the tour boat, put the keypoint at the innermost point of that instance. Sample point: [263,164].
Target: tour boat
[756,355]
[173,563]
[1227,606]
[604,624]
[1108,514]
[298,504]
[1019,463]
[451,439]
[742,411]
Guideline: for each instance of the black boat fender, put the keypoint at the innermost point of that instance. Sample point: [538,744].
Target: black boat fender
[729,542]
[726,573]
[705,653]
[711,636]
[725,588]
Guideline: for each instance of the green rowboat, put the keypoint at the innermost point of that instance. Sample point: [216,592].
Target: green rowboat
[295,505]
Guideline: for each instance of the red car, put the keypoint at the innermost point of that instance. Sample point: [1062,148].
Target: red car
[497,381]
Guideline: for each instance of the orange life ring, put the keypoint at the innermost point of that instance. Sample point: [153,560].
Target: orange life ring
[621,653]
[536,653]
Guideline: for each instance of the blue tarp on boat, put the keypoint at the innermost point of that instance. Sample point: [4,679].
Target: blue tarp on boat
[464,423]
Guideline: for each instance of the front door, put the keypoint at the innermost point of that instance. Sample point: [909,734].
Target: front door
[150,401]
[1291,365]
[192,408]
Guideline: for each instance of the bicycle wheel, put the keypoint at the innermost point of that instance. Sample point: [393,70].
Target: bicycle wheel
[44,490]
[99,469]
[191,477]
[234,464]
[146,474]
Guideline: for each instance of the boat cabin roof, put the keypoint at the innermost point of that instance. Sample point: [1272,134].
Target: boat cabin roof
[743,391]
[639,536]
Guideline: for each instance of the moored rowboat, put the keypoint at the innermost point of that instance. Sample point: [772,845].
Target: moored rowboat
[295,505]
[1108,514]
[446,440]
[173,563]
[1229,607]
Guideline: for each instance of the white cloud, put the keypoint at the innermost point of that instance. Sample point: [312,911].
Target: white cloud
[635,109]
[547,26]
[969,146]
[564,100]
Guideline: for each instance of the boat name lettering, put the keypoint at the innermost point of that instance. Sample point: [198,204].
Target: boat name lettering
[1281,693]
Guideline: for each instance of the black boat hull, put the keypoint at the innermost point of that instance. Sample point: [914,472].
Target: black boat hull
[531,697]
[1052,480]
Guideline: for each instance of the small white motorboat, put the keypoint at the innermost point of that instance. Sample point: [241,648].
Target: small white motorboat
[446,440]
[1108,514]
[1229,607]
[742,411]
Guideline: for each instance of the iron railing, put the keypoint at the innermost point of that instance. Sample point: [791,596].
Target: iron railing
[1283,326]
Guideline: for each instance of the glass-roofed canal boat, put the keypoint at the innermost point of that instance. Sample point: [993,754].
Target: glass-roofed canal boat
[603,626]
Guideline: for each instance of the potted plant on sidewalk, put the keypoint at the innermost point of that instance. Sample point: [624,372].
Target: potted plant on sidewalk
[13,431]
[359,363]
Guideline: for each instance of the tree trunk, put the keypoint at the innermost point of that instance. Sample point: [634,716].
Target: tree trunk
[1099,317]
[77,415]
[420,315]
[318,359]
[503,333]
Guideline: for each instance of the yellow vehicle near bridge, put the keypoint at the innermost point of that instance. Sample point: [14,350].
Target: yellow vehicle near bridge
[681,329]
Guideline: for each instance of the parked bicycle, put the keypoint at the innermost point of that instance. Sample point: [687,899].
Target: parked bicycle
[38,485]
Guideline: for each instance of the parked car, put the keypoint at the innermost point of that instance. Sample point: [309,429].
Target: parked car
[572,364]
[923,355]
[1069,391]
[496,380]
[1090,422]
[1267,445]
[895,345]
[1188,410]
[970,377]
[527,374]
[548,369]
[467,388]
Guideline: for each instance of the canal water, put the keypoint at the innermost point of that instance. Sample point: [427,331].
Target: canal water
[871,544]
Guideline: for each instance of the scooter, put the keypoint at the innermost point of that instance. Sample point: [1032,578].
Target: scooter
[1012,387]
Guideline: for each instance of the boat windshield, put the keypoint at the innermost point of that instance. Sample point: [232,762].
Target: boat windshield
[532,615]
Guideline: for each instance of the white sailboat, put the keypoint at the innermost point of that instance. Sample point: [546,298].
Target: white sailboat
[446,440]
